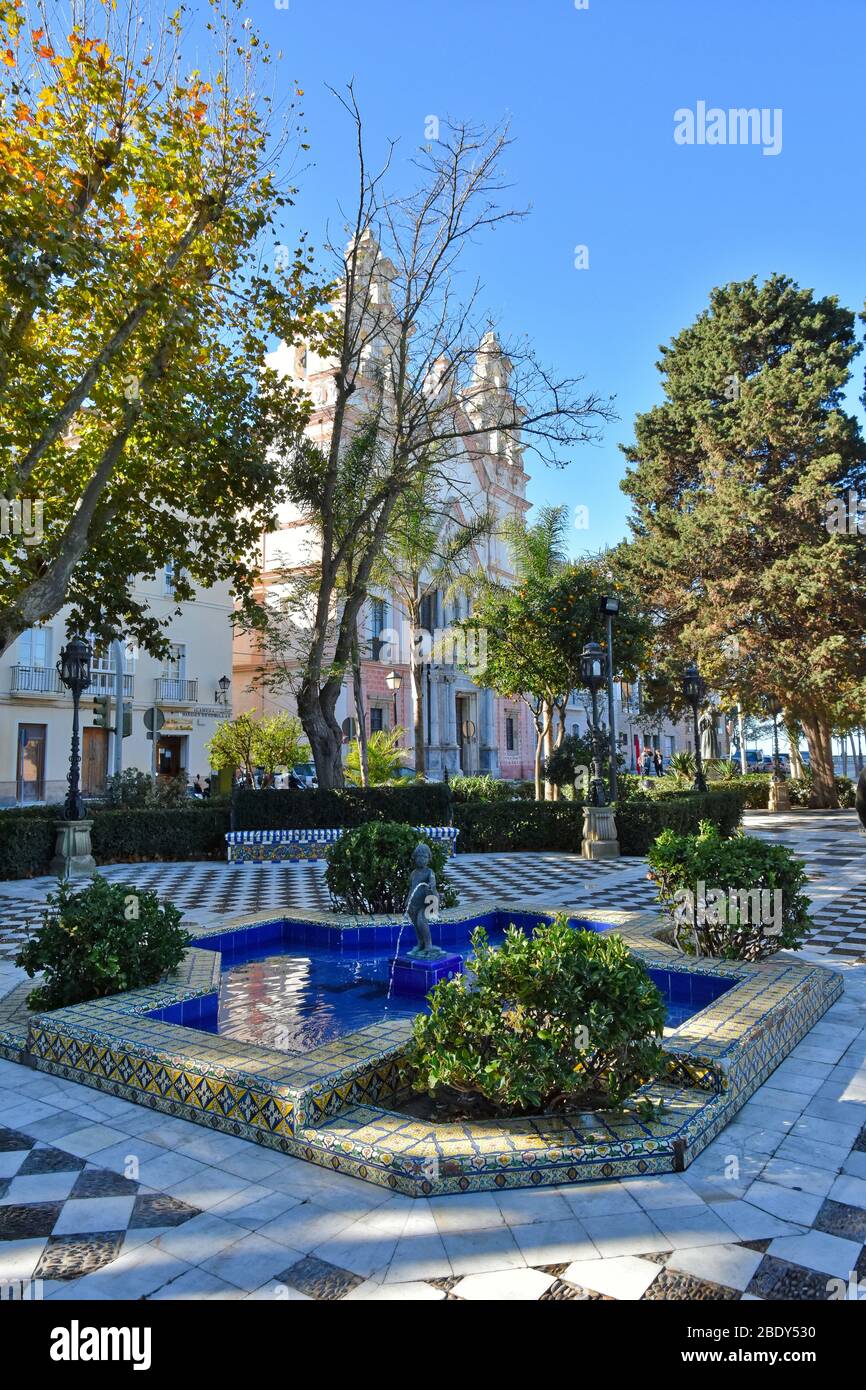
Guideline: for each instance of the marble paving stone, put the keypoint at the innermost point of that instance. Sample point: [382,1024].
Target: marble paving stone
[749,1222]
[730,1265]
[198,1239]
[477,1252]
[197,1284]
[553,1242]
[800,1177]
[250,1262]
[656,1193]
[623,1277]
[416,1291]
[817,1251]
[799,1207]
[19,1258]
[850,1190]
[625,1234]
[504,1286]
[357,1249]
[306,1226]
[599,1199]
[418,1257]
[41,1187]
[531,1204]
[480,1211]
[687,1226]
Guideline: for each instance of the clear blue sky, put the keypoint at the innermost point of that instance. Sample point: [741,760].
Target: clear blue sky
[591,96]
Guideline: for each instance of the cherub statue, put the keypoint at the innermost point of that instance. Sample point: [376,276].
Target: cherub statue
[422,903]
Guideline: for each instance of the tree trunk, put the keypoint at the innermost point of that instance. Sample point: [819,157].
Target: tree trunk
[416,668]
[793,730]
[741,731]
[324,735]
[821,759]
[360,714]
[549,789]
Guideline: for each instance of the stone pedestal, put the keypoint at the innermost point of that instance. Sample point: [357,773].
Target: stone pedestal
[73,857]
[599,833]
[415,975]
[780,797]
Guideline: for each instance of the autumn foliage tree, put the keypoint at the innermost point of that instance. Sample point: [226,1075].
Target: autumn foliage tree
[134,195]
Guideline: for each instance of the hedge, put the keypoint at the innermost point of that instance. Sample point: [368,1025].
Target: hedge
[518,825]
[26,846]
[419,803]
[173,833]
[640,820]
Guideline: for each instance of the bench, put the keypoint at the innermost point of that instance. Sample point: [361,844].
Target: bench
[293,846]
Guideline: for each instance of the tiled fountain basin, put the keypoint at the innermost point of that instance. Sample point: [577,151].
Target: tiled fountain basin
[334,1105]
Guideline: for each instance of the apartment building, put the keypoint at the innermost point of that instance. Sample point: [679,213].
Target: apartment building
[185,696]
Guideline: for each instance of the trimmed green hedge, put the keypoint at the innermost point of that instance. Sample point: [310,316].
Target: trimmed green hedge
[26,846]
[173,833]
[419,803]
[639,821]
[519,825]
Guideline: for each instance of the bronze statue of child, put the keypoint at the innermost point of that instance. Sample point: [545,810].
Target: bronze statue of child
[422,904]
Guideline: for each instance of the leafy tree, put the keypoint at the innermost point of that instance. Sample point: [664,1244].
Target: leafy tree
[406,351]
[734,480]
[272,742]
[134,313]
[535,632]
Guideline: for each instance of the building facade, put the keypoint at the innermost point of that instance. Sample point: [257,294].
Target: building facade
[181,695]
[467,728]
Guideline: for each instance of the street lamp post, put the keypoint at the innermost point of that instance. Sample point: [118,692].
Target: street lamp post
[592,673]
[73,850]
[694,690]
[394,680]
[610,608]
[779,798]
[599,839]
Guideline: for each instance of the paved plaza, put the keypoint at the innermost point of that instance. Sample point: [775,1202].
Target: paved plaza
[104,1199]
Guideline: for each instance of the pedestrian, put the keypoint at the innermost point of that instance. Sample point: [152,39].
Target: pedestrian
[197,788]
[659,762]
[647,761]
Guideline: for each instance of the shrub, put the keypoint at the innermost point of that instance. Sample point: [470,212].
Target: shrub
[385,757]
[418,803]
[483,788]
[27,843]
[562,1019]
[683,765]
[519,825]
[196,830]
[802,789]
[754,789]
[369,867]
[716,892]
[641,819]
[100,940]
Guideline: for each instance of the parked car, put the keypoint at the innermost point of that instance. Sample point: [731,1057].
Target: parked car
[306,774]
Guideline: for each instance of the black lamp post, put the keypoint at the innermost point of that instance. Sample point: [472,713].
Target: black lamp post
[394,680]
[609,608]
[592,673]
[74,671]
[694,690]
[221,693]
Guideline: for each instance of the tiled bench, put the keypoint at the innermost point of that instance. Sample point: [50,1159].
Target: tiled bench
[274,846]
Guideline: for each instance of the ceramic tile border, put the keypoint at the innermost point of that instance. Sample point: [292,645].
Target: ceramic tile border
[329,1106]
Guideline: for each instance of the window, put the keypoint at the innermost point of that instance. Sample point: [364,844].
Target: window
[509,733]
[171,575]
[376,719]
[377,625]
[175,662]
[34,648]
[575,731]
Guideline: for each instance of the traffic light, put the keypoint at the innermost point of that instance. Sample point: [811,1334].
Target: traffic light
[102,712]
[127,718]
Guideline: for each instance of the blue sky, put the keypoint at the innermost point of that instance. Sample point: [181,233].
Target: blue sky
[591,95]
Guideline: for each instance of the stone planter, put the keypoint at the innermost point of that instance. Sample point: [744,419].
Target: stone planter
[599,833]
[73,857]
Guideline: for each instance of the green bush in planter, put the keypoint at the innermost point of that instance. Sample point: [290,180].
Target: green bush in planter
[100,940]
[368,869]
[739,898]
[557,1020]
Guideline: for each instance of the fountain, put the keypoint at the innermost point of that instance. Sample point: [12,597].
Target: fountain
[425,965]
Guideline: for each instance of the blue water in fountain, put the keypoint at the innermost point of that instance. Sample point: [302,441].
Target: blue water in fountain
[294,996]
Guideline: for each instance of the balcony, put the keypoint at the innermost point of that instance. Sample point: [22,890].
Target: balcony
[102,683]
[174,691]
[36,680]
